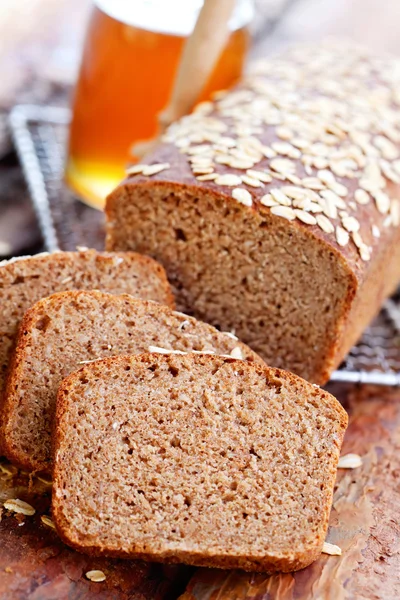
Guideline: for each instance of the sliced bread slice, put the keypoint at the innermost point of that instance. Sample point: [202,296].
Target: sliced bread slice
[204,460]
[24,281]
[61,332]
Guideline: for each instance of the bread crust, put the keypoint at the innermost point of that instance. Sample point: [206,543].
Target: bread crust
[271,562]
[366,283]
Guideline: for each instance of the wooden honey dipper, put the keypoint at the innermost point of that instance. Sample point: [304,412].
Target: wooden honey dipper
[200,54]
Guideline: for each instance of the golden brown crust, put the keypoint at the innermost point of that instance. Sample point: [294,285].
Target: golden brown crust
[288,561]
[369,253]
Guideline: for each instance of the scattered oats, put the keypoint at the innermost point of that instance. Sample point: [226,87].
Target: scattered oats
[203,149]
[364,252]
[303,204]
[251,181]
[376,231]
[325,224]
[201,161]
[389,172]
[268,152]
[202,170]
[387,148]
[320,162]
[308,170]
[154,169]
[312,183]
[331,549]
[357,239]
[286,149]
[296,193]
[226,141]
[349,461]
[240,163]
[82,248]
[292,178]
[395,212]
[67,280]
[135,169]
[208,177]
[339,189]
[223,159]
[261,175]
[242,196]
[284,133]
[315,208]
[236,353]
[300,143]
[159,350]
[284,211]
[342,237]
[353,205]
[280,197]
[305,217]
[19,506]
[333,198]
[228,179]
[47,521]
[283,165]
[230,334]
[350,224]
[326,177]
[267,200]
[382,201]
[95,576]
[330,209]
[388,221]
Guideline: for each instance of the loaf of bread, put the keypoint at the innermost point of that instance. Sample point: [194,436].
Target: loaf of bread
[198,459]
[25,280]
[62,332]
[275,208]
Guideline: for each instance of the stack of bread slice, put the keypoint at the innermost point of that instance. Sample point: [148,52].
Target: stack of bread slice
[167,439]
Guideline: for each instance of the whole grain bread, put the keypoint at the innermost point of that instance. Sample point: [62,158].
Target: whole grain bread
[205,460]
[276,207]
[61,332]
[24,281]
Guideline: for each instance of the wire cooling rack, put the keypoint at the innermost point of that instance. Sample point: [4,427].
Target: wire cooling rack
[40,135]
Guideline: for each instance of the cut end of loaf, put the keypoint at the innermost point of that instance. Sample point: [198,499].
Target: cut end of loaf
[283,290]
[198,459]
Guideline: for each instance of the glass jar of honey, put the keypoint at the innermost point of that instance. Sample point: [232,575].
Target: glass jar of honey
[130,57]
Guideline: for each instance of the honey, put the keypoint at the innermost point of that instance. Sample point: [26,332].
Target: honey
[125,80]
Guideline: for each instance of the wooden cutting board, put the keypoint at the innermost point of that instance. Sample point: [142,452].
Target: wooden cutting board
[365,523]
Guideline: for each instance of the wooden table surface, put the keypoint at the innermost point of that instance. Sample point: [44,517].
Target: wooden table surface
[35,565]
